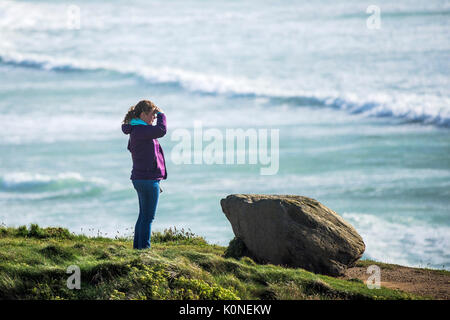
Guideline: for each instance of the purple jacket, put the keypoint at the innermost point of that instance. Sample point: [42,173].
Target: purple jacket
[146,152]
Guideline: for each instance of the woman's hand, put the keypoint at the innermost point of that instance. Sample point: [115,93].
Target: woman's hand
[158,109]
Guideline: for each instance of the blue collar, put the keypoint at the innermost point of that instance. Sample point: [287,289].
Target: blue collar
[137,121]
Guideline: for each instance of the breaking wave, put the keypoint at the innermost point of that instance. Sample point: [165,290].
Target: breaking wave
[426,109]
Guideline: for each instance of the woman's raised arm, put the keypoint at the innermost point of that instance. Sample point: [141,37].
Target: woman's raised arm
[152,132]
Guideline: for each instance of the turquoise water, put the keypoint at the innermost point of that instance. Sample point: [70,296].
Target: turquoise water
[363,115]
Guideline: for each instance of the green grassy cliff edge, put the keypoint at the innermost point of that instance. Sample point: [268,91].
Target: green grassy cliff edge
[180,265]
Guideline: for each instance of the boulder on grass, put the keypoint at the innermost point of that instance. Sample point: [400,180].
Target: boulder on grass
[293,231]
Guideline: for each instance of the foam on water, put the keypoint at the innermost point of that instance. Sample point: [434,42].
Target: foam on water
[36,186]
[38,127]
[403,242]
[412,107]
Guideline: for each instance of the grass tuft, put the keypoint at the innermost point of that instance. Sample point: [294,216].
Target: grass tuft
[177,236]
[236,249]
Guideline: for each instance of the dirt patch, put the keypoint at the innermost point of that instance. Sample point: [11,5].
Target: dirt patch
[424,282]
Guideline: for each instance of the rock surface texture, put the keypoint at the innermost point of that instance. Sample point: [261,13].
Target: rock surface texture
[294,231]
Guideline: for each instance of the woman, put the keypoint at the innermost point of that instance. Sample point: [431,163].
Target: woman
[149,166]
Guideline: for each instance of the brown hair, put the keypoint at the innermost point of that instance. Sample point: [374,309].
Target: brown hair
[135,111]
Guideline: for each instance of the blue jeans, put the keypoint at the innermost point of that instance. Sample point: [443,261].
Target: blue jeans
[148,193]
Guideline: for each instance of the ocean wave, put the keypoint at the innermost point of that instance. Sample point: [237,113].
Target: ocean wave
[35,186]
[407,243]
[410,108]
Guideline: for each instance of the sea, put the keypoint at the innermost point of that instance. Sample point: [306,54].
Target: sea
[357,92]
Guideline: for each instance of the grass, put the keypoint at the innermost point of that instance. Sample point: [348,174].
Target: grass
[180,265]
[387,266]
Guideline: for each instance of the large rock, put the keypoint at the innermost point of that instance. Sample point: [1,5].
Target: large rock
[294,231]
